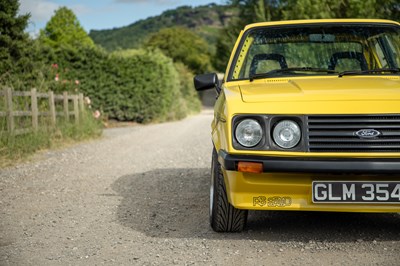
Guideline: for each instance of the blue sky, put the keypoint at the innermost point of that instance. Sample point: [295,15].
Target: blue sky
[101,14]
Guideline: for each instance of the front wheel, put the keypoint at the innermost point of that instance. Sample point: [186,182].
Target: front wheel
[223,216]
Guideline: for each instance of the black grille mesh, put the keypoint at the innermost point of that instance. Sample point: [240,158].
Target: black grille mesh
[337,133]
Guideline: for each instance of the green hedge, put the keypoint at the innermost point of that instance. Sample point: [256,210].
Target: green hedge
[134,85]
[139,86]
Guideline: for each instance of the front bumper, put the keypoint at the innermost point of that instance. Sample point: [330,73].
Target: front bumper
[314,165]
[286,184]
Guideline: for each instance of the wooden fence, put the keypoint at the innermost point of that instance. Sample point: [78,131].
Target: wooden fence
[10,113]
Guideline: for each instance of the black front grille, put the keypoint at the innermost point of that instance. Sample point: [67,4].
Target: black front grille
[337,133]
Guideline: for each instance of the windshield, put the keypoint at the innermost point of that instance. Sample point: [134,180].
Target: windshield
[312,49]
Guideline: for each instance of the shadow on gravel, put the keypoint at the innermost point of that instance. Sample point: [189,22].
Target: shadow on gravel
[173,203]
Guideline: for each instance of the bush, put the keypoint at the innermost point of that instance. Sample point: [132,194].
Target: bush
[148,87]
[188,92]
[141,86]
[184,46]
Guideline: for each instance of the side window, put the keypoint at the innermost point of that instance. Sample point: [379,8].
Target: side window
[387,51]
[380,55]
[393,43]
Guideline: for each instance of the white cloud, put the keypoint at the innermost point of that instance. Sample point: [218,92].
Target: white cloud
[40,10]
[80,10]
[43,10]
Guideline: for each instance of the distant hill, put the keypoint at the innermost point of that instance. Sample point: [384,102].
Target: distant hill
[204,20]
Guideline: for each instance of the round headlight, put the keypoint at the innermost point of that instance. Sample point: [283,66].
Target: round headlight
[287,134]
[249,133]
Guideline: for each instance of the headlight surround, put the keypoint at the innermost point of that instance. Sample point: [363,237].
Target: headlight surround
[249,133]
[287,134]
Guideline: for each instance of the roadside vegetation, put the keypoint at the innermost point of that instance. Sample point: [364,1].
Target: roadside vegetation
[140,86]
[25,64]
[17,148]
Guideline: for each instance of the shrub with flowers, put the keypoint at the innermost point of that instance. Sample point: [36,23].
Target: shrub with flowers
[142,87]
[63,80]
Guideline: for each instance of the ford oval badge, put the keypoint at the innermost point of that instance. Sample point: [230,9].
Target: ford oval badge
[367,133]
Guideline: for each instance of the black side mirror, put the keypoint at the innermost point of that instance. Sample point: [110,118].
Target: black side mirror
[206,81]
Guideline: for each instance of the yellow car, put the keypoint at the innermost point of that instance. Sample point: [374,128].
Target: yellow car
[307,118]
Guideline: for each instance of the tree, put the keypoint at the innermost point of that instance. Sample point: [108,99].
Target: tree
[65,29]
[183,46]
[13,39]
[310,9]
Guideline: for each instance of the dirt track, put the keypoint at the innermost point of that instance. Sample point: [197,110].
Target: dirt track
[139,196]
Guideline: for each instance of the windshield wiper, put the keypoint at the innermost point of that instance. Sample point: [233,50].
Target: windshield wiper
[362,72]
[290,69]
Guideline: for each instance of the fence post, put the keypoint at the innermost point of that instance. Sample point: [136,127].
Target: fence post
[76,109]
[66,108]
[9,104]
[52,108]
[35,112]
[81,104]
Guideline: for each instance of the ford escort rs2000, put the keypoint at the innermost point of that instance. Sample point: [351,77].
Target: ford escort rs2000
[307,118]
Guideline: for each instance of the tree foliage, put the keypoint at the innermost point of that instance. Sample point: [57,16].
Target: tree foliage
[314,9]
[64,29]
[183,46]
[13,39]
[203,20]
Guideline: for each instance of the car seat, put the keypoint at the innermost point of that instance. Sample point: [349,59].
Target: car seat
[337,57]
[263,57]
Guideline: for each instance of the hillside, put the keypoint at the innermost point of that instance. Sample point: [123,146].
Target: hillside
[204,20]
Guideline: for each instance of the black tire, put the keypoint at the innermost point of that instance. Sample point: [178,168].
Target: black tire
[223,216]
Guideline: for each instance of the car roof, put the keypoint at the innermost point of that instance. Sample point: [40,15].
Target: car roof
[317,21]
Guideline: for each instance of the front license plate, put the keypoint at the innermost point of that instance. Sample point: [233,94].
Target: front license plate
[356,192]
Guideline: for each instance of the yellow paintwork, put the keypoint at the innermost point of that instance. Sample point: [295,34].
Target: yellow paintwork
[243,187]
[249,41]
[313,21]
[233,54]
[298,96]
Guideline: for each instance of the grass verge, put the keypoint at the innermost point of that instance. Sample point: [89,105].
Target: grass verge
[18,148]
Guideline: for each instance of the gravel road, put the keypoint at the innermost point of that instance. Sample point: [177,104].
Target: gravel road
[139,196]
